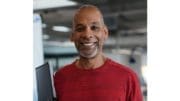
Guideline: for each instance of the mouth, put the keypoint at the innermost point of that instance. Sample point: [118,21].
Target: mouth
[88,49]
[88,44]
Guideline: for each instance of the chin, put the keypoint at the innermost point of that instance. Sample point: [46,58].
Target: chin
[89,56]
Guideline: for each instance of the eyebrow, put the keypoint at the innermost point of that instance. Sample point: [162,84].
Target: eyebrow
[96,23]
[93,23]
[78,25]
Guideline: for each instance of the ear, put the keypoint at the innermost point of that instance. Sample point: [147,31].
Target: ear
[106,32]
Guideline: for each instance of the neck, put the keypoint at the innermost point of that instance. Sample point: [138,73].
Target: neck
[92,63]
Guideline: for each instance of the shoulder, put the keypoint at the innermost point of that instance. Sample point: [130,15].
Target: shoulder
[121,69]
[125,72]
[64,70]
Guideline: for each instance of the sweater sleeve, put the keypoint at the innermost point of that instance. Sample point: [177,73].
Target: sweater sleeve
[57,82]
[55,85]
[134,91]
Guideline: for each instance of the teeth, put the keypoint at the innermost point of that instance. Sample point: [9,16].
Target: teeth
[88,44]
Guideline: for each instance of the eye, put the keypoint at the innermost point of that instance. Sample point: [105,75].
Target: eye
[79,29]
[95,28]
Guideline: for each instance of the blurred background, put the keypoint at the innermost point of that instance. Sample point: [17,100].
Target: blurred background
[127,42]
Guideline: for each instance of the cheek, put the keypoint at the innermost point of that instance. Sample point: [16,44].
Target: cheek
[101,38]
[75,38]
[101,41]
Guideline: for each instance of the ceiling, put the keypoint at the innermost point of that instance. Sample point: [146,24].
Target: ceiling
[126,20]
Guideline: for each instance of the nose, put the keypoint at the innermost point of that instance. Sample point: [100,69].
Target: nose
[87,33]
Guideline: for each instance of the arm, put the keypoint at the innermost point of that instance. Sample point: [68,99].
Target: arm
[56,83]
[134,90]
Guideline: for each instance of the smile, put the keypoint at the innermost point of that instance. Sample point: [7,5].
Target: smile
[88,44]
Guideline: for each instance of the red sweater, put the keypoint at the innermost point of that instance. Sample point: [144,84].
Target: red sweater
[110,82]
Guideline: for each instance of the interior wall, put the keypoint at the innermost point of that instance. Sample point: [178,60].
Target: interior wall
[38,58]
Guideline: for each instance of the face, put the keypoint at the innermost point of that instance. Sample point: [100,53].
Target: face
[89,33]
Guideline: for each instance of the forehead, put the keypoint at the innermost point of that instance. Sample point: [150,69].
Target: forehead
[87,16]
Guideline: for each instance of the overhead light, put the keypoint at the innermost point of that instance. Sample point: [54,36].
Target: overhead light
[45,4]
[61,28]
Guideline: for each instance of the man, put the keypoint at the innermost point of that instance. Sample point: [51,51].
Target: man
[94,77]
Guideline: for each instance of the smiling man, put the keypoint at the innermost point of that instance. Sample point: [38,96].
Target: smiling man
[94,77]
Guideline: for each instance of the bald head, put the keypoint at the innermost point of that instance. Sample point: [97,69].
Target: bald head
[87,10]
[89,31]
